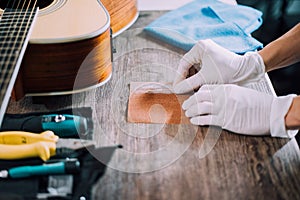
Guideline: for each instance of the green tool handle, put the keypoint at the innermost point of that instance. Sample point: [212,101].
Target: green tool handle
[46,169]
[65,125]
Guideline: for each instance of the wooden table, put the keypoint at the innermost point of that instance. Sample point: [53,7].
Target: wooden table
[174,161]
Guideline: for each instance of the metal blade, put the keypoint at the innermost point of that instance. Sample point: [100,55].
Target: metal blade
[74,144]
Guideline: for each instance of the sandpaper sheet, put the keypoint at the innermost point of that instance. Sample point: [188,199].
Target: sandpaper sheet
[153,102]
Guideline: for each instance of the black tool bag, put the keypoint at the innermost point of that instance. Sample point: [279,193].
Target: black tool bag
[92,160]
[93,163]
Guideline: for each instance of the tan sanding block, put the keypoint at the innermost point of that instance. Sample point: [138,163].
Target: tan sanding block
[153,102]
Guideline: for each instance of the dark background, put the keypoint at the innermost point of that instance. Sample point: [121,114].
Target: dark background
[279,16]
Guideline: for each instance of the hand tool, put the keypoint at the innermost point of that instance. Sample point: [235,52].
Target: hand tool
[63,125]
[64,167]
[19,145]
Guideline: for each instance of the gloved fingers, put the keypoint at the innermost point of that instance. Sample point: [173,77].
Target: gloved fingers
[189,84]
[182,71]
[199,109]
[202,120]
[200,96]
[193,57]
[209,87]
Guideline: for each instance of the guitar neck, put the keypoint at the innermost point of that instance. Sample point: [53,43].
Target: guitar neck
[15,28]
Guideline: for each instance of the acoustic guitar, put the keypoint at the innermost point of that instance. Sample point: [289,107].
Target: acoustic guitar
[123,14]
[69,45]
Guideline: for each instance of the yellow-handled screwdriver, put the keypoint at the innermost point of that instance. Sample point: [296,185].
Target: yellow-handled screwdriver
[19,145]
[22,137]
[44,150]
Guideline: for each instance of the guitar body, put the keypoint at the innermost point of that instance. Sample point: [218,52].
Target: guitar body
[123,13]
[69,49]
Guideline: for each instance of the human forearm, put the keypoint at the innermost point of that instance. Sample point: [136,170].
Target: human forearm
[292,118]
[282,52]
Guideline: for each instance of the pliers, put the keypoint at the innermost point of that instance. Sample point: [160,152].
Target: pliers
[20,145]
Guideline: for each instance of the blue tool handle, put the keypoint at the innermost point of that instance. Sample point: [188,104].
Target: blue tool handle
[64,167]
[65,125]
[27,171]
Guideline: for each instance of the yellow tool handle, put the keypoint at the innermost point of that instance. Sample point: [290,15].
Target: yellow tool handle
[22,137]
[44,150]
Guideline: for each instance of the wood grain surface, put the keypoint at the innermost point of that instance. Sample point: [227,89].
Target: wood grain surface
[174,161]
[57,67]
[122,13]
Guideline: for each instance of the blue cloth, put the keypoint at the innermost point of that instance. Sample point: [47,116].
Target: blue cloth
[228,25]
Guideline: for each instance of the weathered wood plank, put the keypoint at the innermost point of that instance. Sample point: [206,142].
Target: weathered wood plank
[162,161]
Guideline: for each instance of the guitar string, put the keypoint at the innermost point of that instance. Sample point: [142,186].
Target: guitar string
[18,31]
[4,66]
[28,23]
[5,34]
[6,63]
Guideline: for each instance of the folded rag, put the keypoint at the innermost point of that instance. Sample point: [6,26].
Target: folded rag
[228,25]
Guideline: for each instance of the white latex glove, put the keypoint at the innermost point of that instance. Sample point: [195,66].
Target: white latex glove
[240,110]
[217,65]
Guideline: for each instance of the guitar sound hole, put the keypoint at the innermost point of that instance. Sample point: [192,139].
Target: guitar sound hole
[25,3]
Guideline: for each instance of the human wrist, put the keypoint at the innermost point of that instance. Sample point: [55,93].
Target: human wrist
[292,118]
[278,54]
[266,54]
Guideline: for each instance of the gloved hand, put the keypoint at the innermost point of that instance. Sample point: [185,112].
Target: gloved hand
[217,65]
[240,110]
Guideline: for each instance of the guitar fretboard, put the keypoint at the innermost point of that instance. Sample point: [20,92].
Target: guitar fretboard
[15,26]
